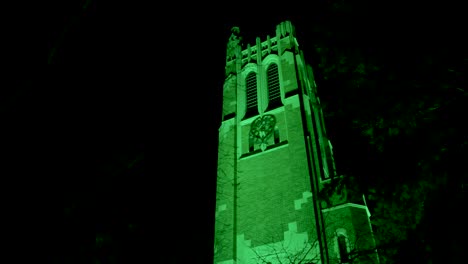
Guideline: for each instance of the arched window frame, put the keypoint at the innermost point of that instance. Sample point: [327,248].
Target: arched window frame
[341,232]
[273,88]
[267,62]
[248,71]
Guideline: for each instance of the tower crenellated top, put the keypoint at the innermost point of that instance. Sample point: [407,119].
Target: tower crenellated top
[285,28]
[236,49]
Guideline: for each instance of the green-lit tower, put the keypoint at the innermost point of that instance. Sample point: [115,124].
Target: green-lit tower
[274,158]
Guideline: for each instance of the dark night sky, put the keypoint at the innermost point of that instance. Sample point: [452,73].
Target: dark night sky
[123,79]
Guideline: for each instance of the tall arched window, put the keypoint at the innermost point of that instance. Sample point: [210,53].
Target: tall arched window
[274,94]
[251,90]
[343,248]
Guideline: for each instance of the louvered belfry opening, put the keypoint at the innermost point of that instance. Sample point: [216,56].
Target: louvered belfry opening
[274,95]
[251,89]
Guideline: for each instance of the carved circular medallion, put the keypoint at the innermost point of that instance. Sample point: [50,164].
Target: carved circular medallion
[262,127]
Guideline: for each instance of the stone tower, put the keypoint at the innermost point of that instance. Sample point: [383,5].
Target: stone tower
[274,159]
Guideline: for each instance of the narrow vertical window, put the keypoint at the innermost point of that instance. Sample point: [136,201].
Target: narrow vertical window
[251,143]
[342,247]
[251,90]
[331,162]
[276,135]
[274,94]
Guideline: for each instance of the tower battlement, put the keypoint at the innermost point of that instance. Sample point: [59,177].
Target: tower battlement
[285,32]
